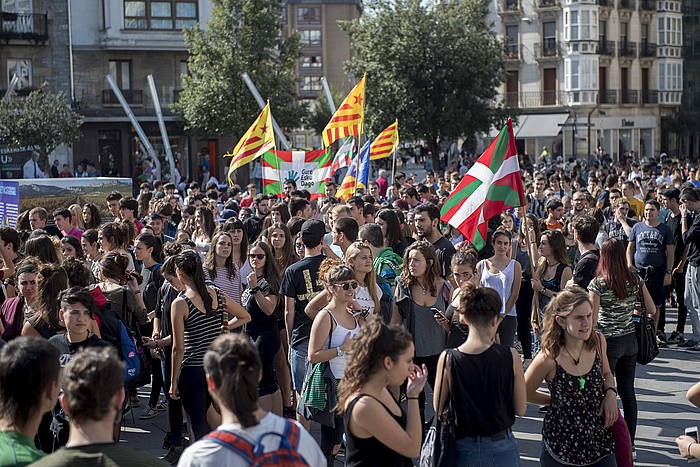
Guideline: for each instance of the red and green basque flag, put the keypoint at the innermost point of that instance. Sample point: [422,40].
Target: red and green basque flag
[493,185]
[309,169]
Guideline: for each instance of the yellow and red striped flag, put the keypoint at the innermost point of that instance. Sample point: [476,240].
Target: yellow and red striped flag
[386,143]
[349,119]
[259,139]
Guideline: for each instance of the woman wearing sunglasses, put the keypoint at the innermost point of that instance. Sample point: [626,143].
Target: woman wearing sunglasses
[332,334]
[260,300]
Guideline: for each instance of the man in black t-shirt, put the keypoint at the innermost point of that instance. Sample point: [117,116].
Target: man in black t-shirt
[585,232]
[299,285]
[253,225]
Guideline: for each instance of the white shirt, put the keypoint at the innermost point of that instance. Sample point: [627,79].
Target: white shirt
[363,298]
[206,453]
[31,170]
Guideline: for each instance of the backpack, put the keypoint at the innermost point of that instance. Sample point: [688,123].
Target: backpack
[286,455]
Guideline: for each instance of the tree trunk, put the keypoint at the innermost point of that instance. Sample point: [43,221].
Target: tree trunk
[435,149]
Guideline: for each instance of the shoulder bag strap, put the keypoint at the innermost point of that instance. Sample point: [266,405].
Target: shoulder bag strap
[233,442]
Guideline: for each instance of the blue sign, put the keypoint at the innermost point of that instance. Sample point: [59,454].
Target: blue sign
[9,202]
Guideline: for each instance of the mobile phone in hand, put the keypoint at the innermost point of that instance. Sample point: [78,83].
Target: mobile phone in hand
[438,312]
[692,431]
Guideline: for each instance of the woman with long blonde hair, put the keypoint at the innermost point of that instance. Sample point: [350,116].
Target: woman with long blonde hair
[76,218]
[582,394]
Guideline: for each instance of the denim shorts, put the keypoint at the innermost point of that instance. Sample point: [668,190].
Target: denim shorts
[299,361]
[483,452]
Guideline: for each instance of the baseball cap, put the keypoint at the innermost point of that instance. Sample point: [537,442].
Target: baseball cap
[312,232]
[226,214]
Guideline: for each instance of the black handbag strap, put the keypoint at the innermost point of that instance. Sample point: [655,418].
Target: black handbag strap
[445,366]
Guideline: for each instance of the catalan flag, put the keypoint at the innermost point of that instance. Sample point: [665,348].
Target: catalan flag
[354,178]
[259,139]
[385,144]
[349,119]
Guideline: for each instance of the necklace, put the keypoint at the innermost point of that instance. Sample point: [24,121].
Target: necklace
[576,360]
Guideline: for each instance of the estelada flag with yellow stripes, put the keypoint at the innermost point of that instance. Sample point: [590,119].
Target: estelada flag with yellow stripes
[259,139]
[386,143]
[349,119]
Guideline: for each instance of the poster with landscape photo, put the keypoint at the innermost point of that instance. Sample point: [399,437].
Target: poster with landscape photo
[54,193]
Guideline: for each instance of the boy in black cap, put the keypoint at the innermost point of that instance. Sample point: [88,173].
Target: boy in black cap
[299,285]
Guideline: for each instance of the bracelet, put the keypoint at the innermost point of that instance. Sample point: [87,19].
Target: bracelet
[418,398]
[611,388]
[690,446]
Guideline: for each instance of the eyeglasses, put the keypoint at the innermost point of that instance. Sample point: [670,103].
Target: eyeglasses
[347,285]
[256,255]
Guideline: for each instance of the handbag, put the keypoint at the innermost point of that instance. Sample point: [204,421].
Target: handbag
[439,447]
[623,442]
[647,347]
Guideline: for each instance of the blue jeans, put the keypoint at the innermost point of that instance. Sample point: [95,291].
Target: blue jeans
[298,358]
[483,452]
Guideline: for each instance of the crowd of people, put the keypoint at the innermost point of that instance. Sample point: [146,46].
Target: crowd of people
[251,316]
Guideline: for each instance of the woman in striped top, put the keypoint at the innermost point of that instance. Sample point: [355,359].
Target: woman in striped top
[197,318]
[220,268]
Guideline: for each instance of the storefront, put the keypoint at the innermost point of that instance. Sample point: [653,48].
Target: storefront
[620,135]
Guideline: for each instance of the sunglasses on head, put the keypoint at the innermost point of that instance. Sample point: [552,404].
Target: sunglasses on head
[347,285]
[256,255]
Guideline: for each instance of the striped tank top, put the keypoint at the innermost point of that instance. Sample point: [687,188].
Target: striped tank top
[200,331]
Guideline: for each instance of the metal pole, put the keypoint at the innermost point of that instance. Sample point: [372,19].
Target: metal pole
[70,56]
[11,87]
[161,125]
[329,97]
[261,103]
[132,118]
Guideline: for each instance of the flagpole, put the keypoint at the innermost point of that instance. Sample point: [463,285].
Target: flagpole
[393,166]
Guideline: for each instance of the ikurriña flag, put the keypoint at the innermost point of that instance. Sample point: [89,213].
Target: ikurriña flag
[492,185]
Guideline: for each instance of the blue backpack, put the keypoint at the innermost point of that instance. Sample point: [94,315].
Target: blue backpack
[127,350]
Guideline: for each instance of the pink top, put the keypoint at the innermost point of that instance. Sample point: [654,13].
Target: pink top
[76,232]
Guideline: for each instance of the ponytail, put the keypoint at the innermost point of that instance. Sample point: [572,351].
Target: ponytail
[233,363]
[191,265]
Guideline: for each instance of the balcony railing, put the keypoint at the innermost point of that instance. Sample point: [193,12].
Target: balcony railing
[647,5]
[607,96]
[625,4]
[508,6]
[629,96]
[532,99]
[132,96]
[627,49]
[605,47]
[512,51]
[650,97]
[647,50]
[549,48]
[510,99]
[23,26]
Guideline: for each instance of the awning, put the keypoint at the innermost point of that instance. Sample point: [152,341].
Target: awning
[539,125]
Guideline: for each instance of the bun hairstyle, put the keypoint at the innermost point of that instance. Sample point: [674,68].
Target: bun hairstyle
[113,266]
[479,305]
[325,267]
[561,306]
[190,264]
[375,341]
[115,233]
[233,363]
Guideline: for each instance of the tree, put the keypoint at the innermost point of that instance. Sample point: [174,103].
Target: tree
[242,36]
[435,66]
[41,119]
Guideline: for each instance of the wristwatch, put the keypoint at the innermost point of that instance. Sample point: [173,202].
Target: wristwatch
[339,352]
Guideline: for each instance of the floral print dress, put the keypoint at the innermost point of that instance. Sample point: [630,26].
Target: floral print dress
[574,433]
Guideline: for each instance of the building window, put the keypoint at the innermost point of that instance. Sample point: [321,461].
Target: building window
[312,61]
[308,15]
[161,14]
[17,6]
[670,30]
[581,75]
[670,76]
[22,67]
[581,24]
[310,84]
[120,71]
[310,38]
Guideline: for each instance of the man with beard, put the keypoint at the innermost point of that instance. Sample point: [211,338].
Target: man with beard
[253,225]
[427,220]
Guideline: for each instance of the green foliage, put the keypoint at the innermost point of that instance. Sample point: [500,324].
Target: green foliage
[320,112]
[435,66]
[242,36]
[41,119]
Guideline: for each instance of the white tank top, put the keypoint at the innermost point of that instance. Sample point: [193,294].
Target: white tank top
[337,338]
[501,282]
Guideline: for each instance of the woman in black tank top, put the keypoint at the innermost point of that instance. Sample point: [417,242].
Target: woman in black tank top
[484,383]
[377,429]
